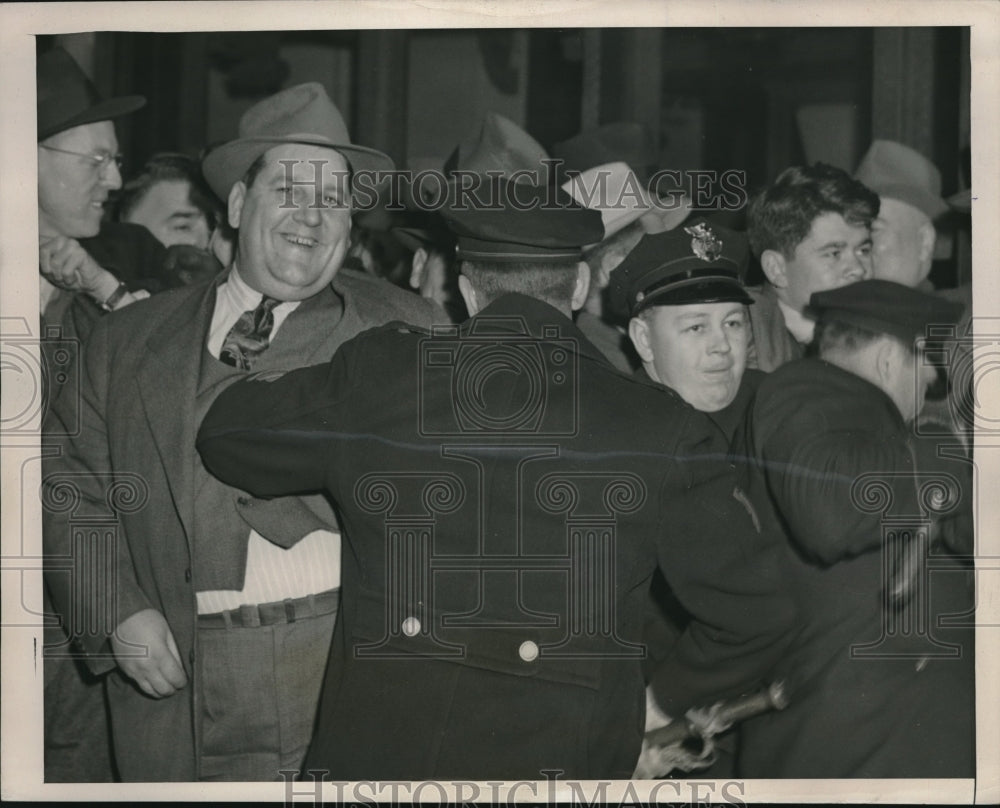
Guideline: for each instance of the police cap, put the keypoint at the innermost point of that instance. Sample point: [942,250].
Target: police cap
[885,307]
[697,263]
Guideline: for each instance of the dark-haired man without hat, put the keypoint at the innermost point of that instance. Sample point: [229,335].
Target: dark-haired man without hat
[223,606]
[881,679]
[525,514]
[811,231]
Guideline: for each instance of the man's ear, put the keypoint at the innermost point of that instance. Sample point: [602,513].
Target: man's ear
[237,195]
[581,287]
[417,266]
[638,332]
[928,235]
[775,268]
[886,362]
[469,295]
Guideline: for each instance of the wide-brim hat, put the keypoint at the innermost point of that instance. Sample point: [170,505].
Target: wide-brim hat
[302,114]
[616,192]
[622,141]
[503,148]
[895,171]
[67,98]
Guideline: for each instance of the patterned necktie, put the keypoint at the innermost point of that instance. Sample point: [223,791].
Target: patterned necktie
[250,336]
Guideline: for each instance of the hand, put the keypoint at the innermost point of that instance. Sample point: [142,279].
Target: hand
[146,652]
[658,761]
[67,265]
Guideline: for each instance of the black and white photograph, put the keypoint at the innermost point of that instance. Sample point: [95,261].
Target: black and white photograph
[470,402]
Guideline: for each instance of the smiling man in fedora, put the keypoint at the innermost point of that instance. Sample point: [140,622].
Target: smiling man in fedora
[216,632]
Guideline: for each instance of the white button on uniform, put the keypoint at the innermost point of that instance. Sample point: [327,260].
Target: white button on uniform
[528,651]
[411,627]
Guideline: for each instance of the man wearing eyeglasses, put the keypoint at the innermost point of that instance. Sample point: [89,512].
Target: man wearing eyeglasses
[78,167]
[109,265]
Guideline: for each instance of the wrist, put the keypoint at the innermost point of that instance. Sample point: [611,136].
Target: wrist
[112,301]
[103,287]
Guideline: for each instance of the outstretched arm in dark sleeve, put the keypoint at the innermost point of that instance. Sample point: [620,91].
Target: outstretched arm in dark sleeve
[274,435]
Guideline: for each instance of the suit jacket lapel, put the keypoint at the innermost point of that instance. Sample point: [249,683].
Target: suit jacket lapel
[167,378]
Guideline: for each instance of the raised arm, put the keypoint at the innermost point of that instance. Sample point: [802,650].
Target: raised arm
[273,434]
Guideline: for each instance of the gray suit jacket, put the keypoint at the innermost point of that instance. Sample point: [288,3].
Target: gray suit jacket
[118,490]
[773,344]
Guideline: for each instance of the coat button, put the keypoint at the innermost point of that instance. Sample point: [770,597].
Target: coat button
[411,627]
[187,575]
[528,651]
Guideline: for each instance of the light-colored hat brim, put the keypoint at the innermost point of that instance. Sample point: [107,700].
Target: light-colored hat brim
[929,204]
[226,165]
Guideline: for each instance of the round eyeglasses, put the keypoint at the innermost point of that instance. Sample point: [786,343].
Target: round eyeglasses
[99,160]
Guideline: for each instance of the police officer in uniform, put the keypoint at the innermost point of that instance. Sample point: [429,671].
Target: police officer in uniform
[881,667]
[502,522]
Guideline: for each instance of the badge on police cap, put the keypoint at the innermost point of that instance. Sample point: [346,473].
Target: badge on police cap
[705,244]
[700,263]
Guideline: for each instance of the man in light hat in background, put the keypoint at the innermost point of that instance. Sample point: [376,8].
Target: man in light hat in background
[811,231]
[629,211]
[482,668]
[881,680]
[903,234]
[630,143]
[904,237]
[216,631]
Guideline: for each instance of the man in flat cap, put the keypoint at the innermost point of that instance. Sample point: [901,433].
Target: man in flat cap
[811,231]
[500,533]
[881,678]
[216,629]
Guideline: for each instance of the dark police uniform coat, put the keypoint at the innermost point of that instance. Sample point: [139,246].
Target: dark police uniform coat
[875,692]
[505,496]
